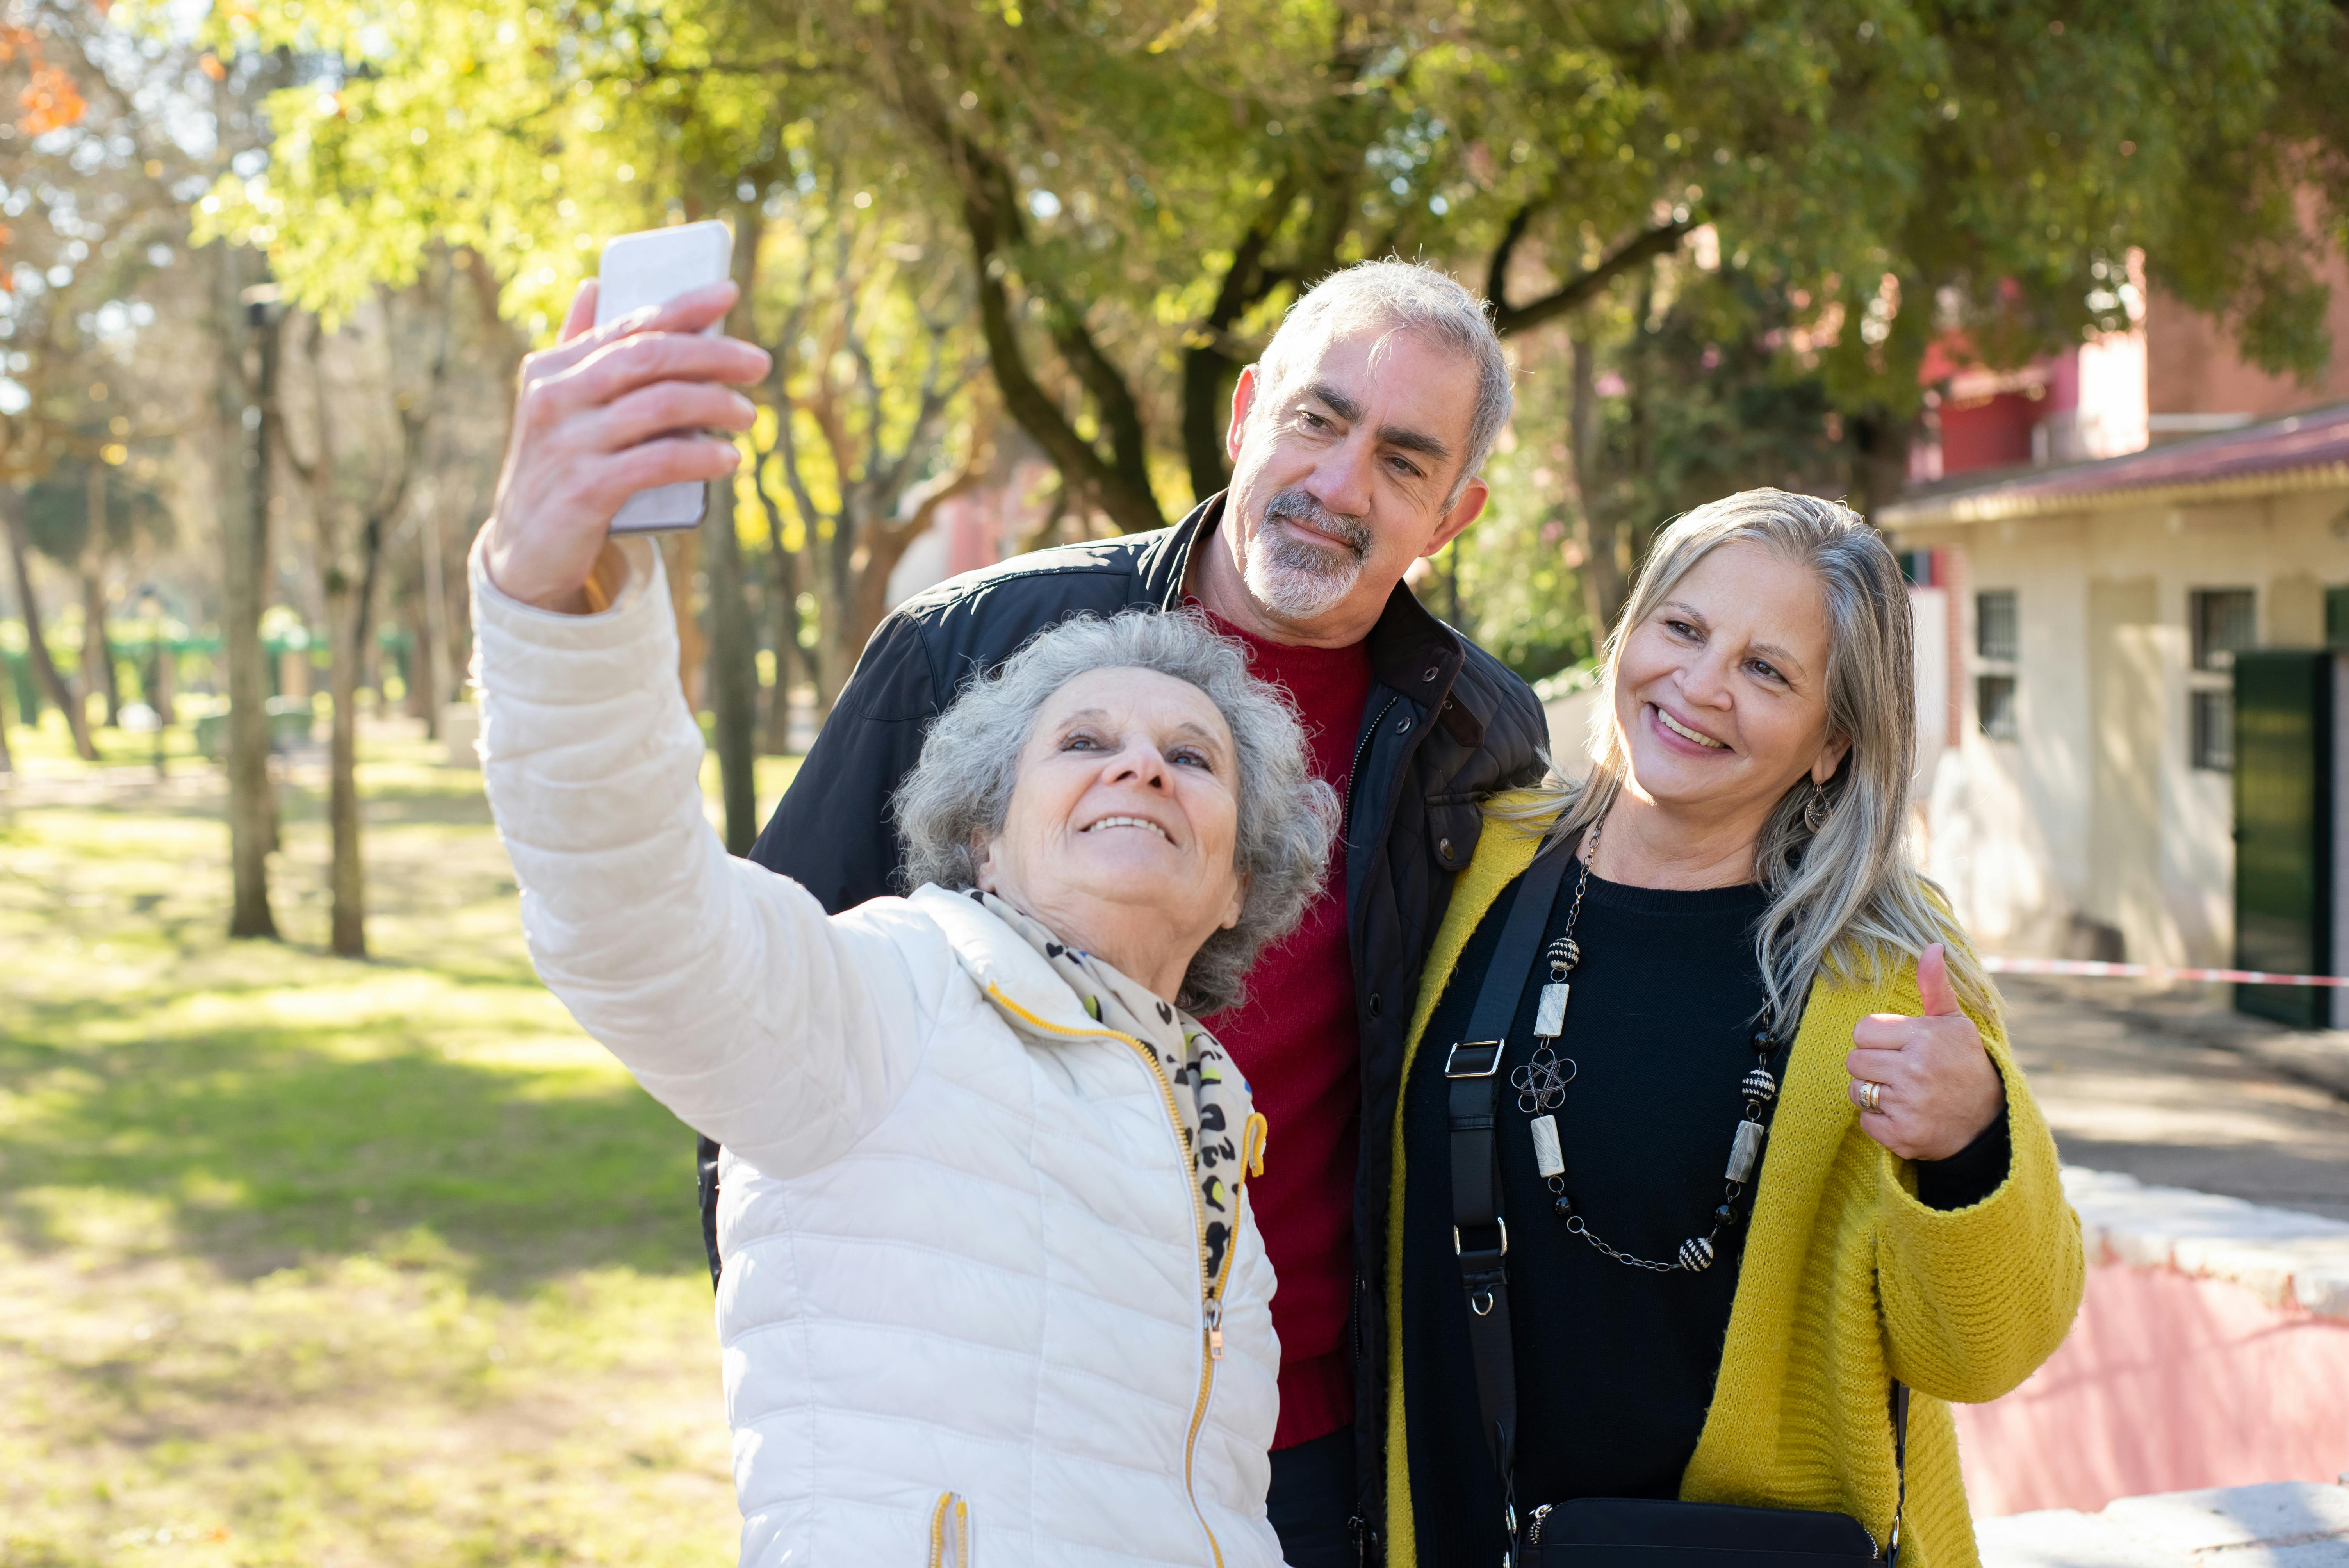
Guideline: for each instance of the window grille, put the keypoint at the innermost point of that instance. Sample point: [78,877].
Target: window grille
[2214,730]
[2223,626]
[1997,634]
[1994,702]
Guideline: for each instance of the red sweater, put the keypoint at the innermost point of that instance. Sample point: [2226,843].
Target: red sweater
[1297,1040]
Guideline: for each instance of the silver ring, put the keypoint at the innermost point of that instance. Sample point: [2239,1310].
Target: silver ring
[1871,1096]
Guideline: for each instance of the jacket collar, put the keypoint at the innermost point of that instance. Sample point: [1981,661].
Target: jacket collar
[1410,651]
[1014,976]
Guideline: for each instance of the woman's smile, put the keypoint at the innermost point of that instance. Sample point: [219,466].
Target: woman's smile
[1109,823]
[1675,728]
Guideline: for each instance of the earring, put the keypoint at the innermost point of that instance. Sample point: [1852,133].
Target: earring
[1815,810]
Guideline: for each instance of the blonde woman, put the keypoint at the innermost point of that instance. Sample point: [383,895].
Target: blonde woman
[1721,1145]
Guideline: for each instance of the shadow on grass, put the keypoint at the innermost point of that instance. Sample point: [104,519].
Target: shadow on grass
[259,1147]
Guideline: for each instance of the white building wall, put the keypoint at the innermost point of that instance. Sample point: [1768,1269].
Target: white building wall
[2013,828]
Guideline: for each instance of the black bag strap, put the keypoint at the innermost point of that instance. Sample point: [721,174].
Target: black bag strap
[1480,1236]
[1480,1232]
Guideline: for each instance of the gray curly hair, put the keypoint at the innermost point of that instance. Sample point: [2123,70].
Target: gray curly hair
[958,794]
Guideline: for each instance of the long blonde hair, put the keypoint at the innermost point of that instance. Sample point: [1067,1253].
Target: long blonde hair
[1843,898]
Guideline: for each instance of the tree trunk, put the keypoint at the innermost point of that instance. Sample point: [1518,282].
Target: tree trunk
[679,554]
[343,583]
[347,933]
[45,669]
[783,620]
[98,671]
[835,655]
[247,401]
[7,697]
[166,683]
[733,649]
[1605,582]
[884,548]
[1879,458]
[431,670]
[733,671]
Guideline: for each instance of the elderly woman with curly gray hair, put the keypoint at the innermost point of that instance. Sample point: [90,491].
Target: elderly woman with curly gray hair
[990,1269]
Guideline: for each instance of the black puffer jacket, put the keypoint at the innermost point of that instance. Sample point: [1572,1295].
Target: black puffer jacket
[1446,725]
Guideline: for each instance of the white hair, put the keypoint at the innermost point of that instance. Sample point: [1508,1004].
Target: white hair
[1413,297]
[959,793]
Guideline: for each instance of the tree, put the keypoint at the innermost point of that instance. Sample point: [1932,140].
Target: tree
[59,690]
[1881,180]
[366,408]
[523,158]
[246,330]
[868,374]
[87,512]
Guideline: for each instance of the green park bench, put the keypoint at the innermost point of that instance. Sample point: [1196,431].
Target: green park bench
[290,719]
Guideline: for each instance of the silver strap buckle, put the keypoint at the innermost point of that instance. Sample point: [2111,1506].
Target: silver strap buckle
[1484,1059]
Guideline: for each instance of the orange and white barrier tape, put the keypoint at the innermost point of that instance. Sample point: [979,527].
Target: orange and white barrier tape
[2152,972]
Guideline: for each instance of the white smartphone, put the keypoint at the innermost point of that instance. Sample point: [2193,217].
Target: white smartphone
[654,267]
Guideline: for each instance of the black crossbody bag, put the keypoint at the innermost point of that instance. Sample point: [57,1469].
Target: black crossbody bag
[1593,1532]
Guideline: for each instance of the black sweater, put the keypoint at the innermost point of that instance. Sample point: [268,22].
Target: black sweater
[1615,1365]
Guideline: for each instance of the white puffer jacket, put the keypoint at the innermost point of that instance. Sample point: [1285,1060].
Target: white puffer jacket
[961,1306]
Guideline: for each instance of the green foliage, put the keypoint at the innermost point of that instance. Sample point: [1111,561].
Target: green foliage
[57,511]
[1137,187]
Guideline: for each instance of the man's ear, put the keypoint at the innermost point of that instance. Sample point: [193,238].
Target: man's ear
[1473,495]
[982,864]
[1239,903]
[1830,758]
[1244,393]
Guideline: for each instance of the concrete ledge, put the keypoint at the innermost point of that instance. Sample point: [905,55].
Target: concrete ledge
[2284,1257]
[2282,1524]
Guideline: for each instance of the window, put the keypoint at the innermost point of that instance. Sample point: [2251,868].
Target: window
[2222,627]
[2214,730]
[1998,641]
[1996,633]
[1994,701]
[2337,617]
[2224,623]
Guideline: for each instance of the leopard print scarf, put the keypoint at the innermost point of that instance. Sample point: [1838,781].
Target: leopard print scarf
[1207,1088]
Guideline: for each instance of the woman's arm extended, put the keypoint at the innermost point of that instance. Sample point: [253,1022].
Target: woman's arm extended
[724,988]
[1975,1298]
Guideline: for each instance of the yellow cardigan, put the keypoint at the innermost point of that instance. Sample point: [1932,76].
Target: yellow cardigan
[1847,1282]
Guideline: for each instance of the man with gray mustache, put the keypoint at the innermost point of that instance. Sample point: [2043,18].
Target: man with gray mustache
[1356,444]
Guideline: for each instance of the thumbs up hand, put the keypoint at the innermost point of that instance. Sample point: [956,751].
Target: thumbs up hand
[1925,1086]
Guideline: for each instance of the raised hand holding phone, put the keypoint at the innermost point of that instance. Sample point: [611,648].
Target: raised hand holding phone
[609,412]
[1925,1086]
[650,268]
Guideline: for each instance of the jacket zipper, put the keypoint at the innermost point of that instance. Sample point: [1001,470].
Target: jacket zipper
[950,1532]
[1211,1331]
[1354,771]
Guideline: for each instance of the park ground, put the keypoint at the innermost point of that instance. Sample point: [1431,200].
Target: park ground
[309,1261]
[312,1260]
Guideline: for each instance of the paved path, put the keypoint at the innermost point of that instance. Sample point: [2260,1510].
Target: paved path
[2166,1084]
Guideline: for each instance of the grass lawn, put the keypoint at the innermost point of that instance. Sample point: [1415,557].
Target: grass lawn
[319,1262]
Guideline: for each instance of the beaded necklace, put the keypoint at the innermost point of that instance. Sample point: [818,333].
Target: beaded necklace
[1541,1086]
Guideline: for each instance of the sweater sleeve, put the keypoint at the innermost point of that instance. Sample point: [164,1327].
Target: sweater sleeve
[724,988]
[1974,1298]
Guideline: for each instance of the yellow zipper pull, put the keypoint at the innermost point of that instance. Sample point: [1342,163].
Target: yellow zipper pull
[1214,1330]
[950,1532]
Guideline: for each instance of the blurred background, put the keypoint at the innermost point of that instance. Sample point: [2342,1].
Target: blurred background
[326,1238]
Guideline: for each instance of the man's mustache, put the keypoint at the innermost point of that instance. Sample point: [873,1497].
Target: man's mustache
[1298,506]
